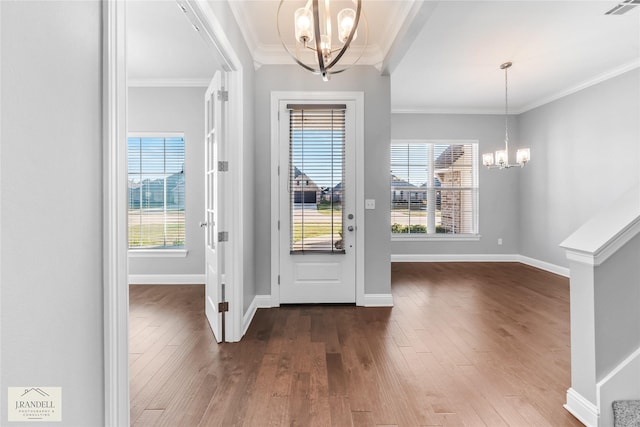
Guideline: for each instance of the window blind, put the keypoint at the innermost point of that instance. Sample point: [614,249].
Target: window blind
[316,177]
[434,188]
[156,193]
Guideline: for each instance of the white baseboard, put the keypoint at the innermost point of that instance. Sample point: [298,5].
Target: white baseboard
[542,265]
[378,300]
[585,411]
[454,258]
[259,301]
[166,279]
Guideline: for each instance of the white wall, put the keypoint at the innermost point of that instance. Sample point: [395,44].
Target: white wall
[585,151]
[376,146]
[51,204]
[175,110]
[499,201]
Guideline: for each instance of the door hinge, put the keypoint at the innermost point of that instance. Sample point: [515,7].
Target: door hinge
[278,279]
[278,224]
[223,307]
[223,95]
[223,166]
[223,236]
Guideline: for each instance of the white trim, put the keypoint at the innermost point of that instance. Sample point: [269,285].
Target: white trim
[259,301]
[377,300]
[454,258]
[116,291]
[166,279]
[157,253]
[587,83]
[542,265]
[138,134]
[580,256]
[608,249]
[168,83]
[626,362]
[585,411]
[428,110]
[358,98]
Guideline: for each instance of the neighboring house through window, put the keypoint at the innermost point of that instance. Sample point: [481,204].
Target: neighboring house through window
[434,188]
[156,214]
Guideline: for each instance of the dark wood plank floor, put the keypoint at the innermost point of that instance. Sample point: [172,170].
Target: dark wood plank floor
[467,344]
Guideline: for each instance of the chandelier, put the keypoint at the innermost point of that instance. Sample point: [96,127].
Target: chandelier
[501,161]
[315,48]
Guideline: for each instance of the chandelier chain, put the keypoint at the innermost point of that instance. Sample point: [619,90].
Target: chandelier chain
[506,107]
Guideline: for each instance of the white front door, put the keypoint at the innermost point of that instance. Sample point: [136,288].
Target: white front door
[317,202]
[214,250]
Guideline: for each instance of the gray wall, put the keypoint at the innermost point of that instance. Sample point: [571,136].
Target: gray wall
[617,298]
[576,142]
[175,110]
[499,202]
[51,204]
[377,134]
[585,150]
[223,13]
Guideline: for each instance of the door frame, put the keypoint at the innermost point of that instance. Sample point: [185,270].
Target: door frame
[299,97]
[115,246]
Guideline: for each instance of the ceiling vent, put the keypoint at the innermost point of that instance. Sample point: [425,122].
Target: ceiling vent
[623,7]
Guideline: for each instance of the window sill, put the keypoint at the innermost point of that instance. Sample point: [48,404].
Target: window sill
[435,238]
[158,253]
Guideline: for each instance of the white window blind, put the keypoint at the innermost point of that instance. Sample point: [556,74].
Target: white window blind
[316,177]
[434,188]
[156,217]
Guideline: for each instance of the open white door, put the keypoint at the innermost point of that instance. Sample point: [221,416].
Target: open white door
[214,250]
[317,202]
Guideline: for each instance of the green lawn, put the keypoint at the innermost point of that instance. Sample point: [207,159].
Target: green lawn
[151,235]
[314,230]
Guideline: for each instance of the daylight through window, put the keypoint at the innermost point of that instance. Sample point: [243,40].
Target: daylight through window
[316,177]
[434,188]
[156,215]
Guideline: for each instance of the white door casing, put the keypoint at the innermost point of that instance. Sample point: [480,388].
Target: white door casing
[318,277]
[214,141]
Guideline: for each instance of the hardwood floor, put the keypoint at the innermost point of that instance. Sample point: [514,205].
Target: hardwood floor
[467,344]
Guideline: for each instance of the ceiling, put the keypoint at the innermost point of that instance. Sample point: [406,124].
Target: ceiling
[163,48]
[442,56]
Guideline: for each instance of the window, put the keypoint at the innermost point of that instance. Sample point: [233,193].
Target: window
[156,193]
[316,167]
[434,188]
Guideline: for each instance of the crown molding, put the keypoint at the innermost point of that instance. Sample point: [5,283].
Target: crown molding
[538,103]
[168,82]
[427,110]
[275,54]
[585,84]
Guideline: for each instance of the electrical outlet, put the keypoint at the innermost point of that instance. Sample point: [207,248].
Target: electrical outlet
[370,203]
[500,241]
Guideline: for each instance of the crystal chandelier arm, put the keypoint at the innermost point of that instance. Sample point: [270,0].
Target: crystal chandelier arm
[354,28]
[316,29]
[506,66]
[294,57]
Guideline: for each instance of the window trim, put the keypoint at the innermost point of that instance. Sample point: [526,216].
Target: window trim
[435,237]
[166,251]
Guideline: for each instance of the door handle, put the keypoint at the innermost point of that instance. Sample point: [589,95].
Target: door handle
[203,224]
[350,228]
